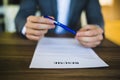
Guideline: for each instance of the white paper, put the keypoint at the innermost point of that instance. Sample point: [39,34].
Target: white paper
[64,53]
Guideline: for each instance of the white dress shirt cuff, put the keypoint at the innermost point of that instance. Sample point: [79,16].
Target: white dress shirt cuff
[24,30]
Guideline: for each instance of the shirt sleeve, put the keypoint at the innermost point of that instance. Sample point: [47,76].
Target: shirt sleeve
[23,30]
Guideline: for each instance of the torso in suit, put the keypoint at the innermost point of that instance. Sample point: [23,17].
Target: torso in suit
[49,7]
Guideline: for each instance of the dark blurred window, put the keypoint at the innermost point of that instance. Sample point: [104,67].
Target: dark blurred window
[14,1]
[1,2]
[2,26]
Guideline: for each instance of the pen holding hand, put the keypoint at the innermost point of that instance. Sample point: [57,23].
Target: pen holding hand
[37,27]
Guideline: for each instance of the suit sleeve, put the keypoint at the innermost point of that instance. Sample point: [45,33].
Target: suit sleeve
[27,8]
[93,13]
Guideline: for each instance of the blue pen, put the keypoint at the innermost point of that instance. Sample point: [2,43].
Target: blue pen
[62,25]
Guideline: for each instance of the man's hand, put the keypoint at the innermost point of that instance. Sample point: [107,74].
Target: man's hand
[37,27]
[90,36]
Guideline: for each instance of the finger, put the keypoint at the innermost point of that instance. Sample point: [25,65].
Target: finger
[87,33]
[36,32]
[36,19]
[90,45]
[90,39]
[39,26]
[33,37]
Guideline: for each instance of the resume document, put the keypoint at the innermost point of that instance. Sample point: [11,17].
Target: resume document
[64,53]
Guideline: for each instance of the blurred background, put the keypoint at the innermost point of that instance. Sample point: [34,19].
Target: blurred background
[110,10]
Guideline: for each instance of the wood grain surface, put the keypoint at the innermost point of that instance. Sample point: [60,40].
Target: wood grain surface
[16,54]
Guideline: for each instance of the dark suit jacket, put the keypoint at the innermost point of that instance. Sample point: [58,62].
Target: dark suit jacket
[49,7]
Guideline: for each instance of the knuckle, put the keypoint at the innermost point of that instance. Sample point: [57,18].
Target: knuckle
[29,17]
[40,26]
[90,33]
[94,33]
[100,37]
[28,32]
[101,31]
[41,19]
[28,36]
[37,26]
[36,32]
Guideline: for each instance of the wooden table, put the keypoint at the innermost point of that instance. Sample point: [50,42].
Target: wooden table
[16,54]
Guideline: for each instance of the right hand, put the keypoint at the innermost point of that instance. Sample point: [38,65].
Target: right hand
[37,27]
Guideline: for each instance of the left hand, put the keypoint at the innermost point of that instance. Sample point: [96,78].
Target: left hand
[90,36]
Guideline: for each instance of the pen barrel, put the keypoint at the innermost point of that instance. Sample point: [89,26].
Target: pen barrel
[65,27]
